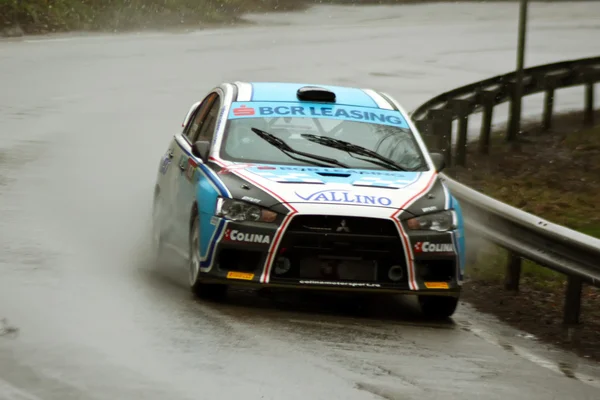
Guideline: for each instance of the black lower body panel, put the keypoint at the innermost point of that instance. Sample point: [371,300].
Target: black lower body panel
[351,253]
[369,256]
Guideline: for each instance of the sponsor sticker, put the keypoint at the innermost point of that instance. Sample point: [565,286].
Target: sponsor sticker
[340,112]
[428,247]
[234,235]
[251,199]
[340,283]
[182,161]
[436,285]
[245,276]
[230,168]
[395,174]
[190,169]
[221,120]
[428,209]
[243,111]
[345,197]
[164,166]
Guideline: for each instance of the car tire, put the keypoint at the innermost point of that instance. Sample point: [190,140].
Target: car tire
[199,288]
[438,307]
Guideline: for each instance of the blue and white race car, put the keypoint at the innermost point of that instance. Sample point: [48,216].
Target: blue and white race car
[304,186]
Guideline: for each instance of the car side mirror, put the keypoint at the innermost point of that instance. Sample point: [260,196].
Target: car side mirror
[439,161]
[200,150]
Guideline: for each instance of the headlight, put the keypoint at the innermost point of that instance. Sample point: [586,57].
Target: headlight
[236,210]
[441,221]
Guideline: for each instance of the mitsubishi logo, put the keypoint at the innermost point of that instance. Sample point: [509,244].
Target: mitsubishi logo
[343,227]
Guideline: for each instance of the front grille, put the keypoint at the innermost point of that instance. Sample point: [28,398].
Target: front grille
[314,248]
[341,224]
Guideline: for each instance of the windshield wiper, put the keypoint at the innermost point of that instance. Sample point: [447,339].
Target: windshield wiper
[286,149]
[356,149]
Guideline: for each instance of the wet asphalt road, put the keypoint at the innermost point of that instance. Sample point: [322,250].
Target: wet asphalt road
[83,122]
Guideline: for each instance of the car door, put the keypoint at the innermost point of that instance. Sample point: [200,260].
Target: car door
[203,127]
[168,175]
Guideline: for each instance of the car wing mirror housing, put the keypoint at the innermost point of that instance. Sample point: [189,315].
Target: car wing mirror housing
[200,150]
[439,161]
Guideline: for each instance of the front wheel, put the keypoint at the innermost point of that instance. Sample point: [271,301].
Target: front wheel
[199,288]
[438,307]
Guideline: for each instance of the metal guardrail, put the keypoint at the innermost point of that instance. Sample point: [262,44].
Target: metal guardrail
[524,235]
[434,117]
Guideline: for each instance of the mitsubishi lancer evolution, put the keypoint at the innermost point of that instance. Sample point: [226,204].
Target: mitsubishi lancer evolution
[308,186]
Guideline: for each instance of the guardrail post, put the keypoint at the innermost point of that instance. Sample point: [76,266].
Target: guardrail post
[488,99]
[550,83]
[589,76]
[514,118]
[433,142]
[513,273]
[461,109]
[572,310]
[424,128]
[588,118]
[514,112]
[548,106]
[442,130]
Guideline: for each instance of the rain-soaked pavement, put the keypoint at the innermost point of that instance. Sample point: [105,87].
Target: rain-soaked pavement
[83,121]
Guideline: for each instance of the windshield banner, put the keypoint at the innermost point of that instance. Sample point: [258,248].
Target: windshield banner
[315,110]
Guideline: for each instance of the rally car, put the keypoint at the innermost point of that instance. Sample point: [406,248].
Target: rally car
[308,186]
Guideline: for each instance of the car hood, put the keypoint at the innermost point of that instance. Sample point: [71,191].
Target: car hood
[306,187]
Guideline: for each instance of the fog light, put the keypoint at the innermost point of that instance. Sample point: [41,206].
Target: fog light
[395,273]
[423,270]
[282,266]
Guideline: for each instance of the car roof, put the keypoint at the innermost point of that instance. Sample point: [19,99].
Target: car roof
[287,92]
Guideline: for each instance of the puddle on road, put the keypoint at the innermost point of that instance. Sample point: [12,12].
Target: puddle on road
[6,330]
[508,347]
[14,157]
[567,370]
[23,152]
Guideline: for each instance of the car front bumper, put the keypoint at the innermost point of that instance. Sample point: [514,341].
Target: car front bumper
[320,252]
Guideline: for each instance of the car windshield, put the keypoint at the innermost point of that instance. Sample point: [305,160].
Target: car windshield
[391,139]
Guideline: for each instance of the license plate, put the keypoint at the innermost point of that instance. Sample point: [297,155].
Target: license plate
[360,270]
[343,269]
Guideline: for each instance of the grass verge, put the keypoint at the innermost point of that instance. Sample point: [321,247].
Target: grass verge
[47,16]
[44,16]
[555,175]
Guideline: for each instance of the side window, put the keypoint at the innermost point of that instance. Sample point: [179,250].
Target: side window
[199,117]
[207,129]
